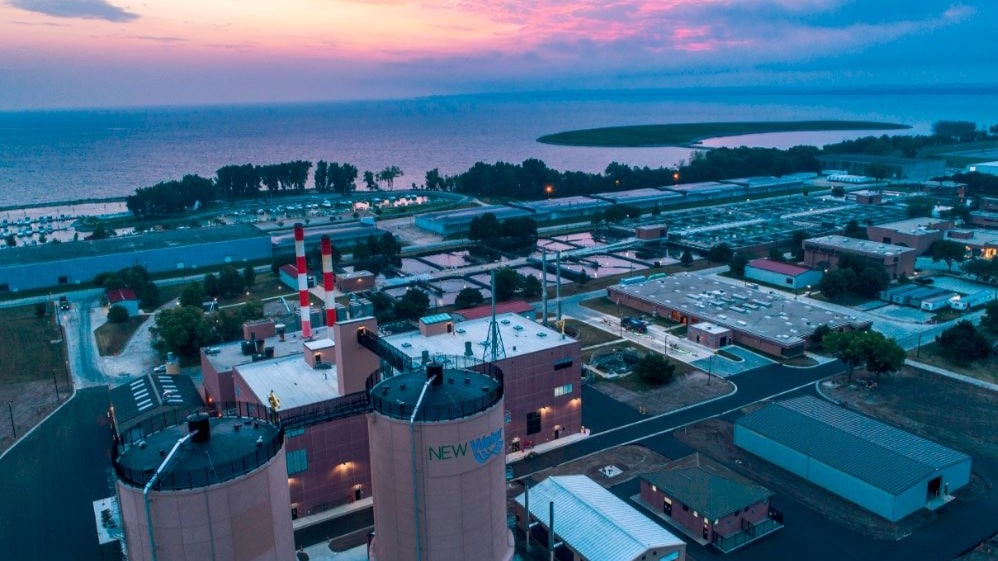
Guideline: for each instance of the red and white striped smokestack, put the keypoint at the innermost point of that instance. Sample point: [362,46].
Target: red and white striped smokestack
[327,280]
[306,312]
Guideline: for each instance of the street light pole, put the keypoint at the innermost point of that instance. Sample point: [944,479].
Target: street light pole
[55,383]
[10,409]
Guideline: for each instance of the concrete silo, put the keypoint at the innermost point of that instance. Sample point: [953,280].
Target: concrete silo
[438,465]
[209,488]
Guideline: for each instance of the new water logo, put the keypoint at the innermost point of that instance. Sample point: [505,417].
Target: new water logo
[484,447]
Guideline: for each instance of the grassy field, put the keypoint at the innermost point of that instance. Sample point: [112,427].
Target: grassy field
[112,337]
[587,334]
[31,347]
[984,369]
[683,134]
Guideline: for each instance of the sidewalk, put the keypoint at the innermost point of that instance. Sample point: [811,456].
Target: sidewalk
[547,446]
[953,375]
[342,510]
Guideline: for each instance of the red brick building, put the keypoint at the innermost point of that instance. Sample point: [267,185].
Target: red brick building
[709,502]
[824,252]
[916,233]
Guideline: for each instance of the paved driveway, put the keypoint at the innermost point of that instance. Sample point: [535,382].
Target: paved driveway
[49,480]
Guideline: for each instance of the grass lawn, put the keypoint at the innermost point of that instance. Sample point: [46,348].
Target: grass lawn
[31,347]
[587,334]
[112,337]
[683,134]
[985,369]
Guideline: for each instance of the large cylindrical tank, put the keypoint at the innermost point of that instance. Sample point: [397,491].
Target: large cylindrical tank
[223,494]
[438,469]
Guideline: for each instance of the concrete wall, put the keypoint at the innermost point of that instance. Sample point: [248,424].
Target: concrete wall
[458,510]
[245,519]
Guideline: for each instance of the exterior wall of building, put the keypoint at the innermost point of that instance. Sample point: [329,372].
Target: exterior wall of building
[71,271]
[914,499]
[984,220]
[244,519]
[920,241]
[338,465]
[355,282]
[795,282]
[713,340]
[816,256]
[452,506]
[259,329]
[217,385]
[725,526]
[531,381]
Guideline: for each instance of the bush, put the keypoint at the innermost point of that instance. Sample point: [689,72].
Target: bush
[467,298]
[117,314]
[963,342]
[655,369]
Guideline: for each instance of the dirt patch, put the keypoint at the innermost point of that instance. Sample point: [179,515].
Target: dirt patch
[112,337]
[953,413]
[714,438]
[28,403]
[685,389]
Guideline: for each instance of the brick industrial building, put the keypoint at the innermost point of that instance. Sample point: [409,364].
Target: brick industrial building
[824,252]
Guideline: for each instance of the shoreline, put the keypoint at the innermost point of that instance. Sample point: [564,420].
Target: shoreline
[87,201]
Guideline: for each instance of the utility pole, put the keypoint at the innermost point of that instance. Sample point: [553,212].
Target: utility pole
[710,367]
[55,382]
[10,408]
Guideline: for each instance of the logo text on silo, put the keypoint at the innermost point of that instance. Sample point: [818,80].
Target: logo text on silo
[482,448]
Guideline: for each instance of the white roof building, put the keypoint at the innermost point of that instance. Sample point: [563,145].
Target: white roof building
[598,526]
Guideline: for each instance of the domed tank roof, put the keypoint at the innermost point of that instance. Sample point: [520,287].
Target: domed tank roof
[223,448]
[452,393]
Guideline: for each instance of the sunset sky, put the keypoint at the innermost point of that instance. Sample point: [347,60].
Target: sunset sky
[71,53]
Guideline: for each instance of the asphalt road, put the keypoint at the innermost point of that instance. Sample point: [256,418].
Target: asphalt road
[50,480]
[753,386]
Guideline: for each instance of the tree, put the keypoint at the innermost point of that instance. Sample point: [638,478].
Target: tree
[834,285]
[990,319]
[192,295]
[960,130]
[720,253]
[433,181]
[41,309]
[686,258]
[797,244]
[838,191]
[117,314]
[986,270]
[879,171]
[532,287]
[508,281]
[870,280]
[388,246]
[963,342]
[737,264]
[182,330]
[369,181]
[654,369]
[468,298]
[211,286]
[384,308]
[883,355]
[321,176]
[342,178]
[775,253]
[230,282]
[847,347]
[918,207]
[854,230]
[413,304]
[819,334]
[10,240]
[389,175]
[249,277]
[948,251]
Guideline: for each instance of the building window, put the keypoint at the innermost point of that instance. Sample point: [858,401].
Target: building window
[790,280]
[297,461]
[686,507]
[563,364]
[563,390]
[294,432]
[533,422]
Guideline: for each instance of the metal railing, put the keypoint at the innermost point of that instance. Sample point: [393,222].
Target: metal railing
[749,533]
[397,409]
[370,340]
[337,408]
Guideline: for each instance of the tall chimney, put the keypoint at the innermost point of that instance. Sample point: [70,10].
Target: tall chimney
[306,312]
[327,280]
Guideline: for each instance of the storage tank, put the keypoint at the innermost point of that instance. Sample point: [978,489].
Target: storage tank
[206,487]
[438,465]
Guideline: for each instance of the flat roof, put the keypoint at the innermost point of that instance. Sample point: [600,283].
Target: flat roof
[520,336]
[291,379]
[853,245]
[231,354]
[467,214]
[128,244]
[593,521]
[763,313]
[637,195]
[883,456]
[703,187]
[765,180]
[150,393]
[777,267]
[706,486]
[709,327]
[485,310]
[978,237]
[319,344]
[562,203]
[922,226]
[868,158]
